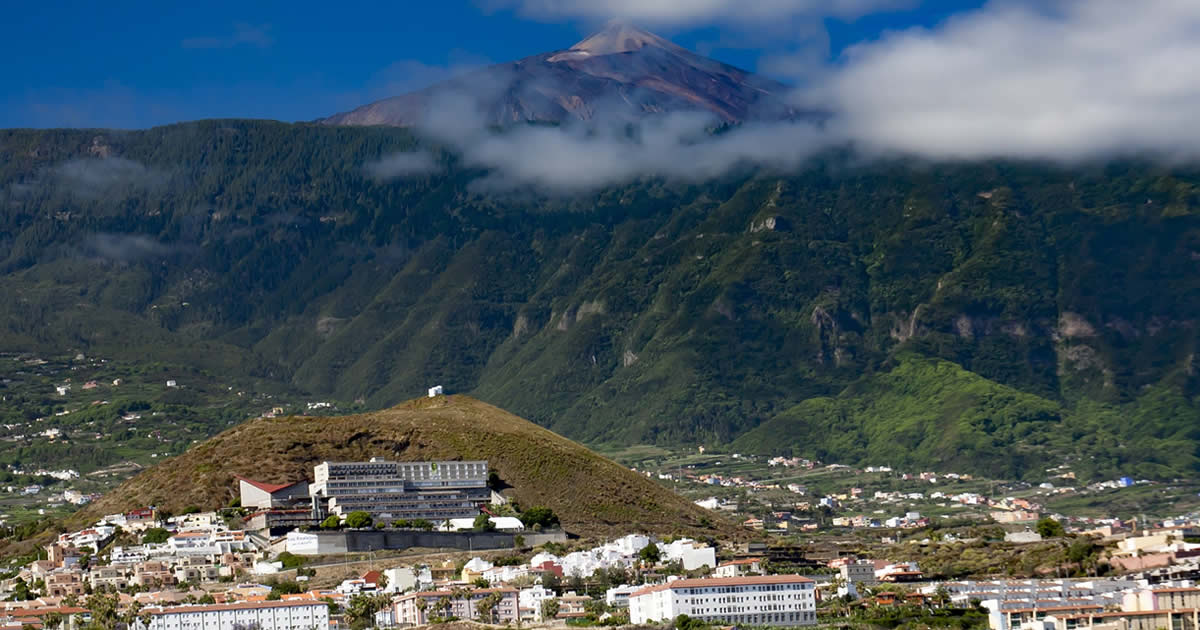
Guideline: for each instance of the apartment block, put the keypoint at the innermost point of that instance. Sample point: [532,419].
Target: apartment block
[290,615]
[415,609]
[771,600]
[403,490]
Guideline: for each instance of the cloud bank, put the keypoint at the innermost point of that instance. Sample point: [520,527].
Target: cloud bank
[97,177]
[127,248]
[1068,80]
[1065,80]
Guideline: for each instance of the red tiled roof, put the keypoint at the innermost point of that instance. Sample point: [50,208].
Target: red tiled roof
[39,612]
[729,581]
[372,577]
[269,488]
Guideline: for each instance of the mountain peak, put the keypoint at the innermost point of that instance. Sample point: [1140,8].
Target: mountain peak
[620,37]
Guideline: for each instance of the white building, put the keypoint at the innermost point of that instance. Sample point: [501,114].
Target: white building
[530,602]
[690,553]
[734,568]
[403,579]
[435,490]
[618,596]
[435,391]
[264,496]
[859,572]
[774,600]
[293,615]
[501,523]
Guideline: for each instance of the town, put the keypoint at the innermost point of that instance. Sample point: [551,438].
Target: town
[386,544]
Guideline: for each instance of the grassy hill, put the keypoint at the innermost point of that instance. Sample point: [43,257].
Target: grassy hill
[922,410]
[651,312]
[591,494]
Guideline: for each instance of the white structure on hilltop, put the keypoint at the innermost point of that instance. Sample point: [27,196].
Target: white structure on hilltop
[293,615]
[435,391]
[772,600]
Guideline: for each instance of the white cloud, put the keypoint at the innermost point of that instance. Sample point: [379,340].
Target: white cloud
[98,177]
[691,12]
[1071,79]
[590,155]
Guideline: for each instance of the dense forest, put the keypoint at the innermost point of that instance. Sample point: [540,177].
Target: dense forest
[993,317]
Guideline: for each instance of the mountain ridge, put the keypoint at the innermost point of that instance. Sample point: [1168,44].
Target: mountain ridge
[655,311]
[618,72]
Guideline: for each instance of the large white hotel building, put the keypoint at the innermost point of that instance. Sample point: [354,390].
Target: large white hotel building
[291,615]
[410,490]
[770,600]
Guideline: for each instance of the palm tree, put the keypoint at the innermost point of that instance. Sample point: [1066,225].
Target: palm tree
[53,620]
[462,593]
[131,614]
[422,604]
[443,604]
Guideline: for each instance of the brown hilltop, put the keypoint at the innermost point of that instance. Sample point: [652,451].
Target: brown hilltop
[592,495]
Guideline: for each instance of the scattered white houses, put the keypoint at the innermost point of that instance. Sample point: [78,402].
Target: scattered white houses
[772,600]
[435,391]
[172,383]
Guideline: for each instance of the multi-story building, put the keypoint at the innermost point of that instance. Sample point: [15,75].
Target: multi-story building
[1185,619]
[859,572]
[416,609]
[403,490]
[290,615]
[65,582]
[1165,598]
[572,605]
[769,600]
[152,574]
[197,569]
[113,577]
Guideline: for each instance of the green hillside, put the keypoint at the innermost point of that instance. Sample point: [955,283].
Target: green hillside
[654,312]
[591,495]
[922,411]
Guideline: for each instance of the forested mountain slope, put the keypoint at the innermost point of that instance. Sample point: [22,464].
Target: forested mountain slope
[932,314]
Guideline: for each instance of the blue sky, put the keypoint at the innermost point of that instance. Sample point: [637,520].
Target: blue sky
[139,64]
